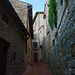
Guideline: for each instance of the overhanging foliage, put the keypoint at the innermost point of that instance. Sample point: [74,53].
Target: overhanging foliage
[52,17]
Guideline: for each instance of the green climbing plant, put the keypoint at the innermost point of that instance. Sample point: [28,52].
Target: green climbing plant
[61,2]
[53,42]
[66,2]
[56,34]
[52,17]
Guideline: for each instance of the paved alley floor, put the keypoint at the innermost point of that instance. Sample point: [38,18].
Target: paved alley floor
[38,69]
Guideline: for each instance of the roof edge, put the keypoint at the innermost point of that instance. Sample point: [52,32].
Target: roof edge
[36,15]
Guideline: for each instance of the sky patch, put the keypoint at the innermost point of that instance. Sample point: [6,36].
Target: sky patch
[38,5]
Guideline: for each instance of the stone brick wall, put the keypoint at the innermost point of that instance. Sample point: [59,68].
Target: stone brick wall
[62,58]
[21,9]
[17,39]
[50,35]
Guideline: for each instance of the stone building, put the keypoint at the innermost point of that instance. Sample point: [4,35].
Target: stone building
[13,37]
[39,33]
[29,53]
[49,37]
[21,9]
[24,11]
[61,57]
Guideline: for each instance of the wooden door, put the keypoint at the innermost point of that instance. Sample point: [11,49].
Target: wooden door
[3,56]
[35,57]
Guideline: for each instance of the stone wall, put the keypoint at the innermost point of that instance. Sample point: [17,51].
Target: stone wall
[21,9]
[17,39]
[49,37]
[60,57]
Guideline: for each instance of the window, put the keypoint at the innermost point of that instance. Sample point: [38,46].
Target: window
[5,18]
[35,45]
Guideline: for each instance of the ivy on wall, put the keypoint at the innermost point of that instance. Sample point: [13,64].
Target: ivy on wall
[61,2]
[66,2]
[53,42]
[56,34]
[52,17]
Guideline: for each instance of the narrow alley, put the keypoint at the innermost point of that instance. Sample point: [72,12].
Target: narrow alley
[38,69]
[37,37]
